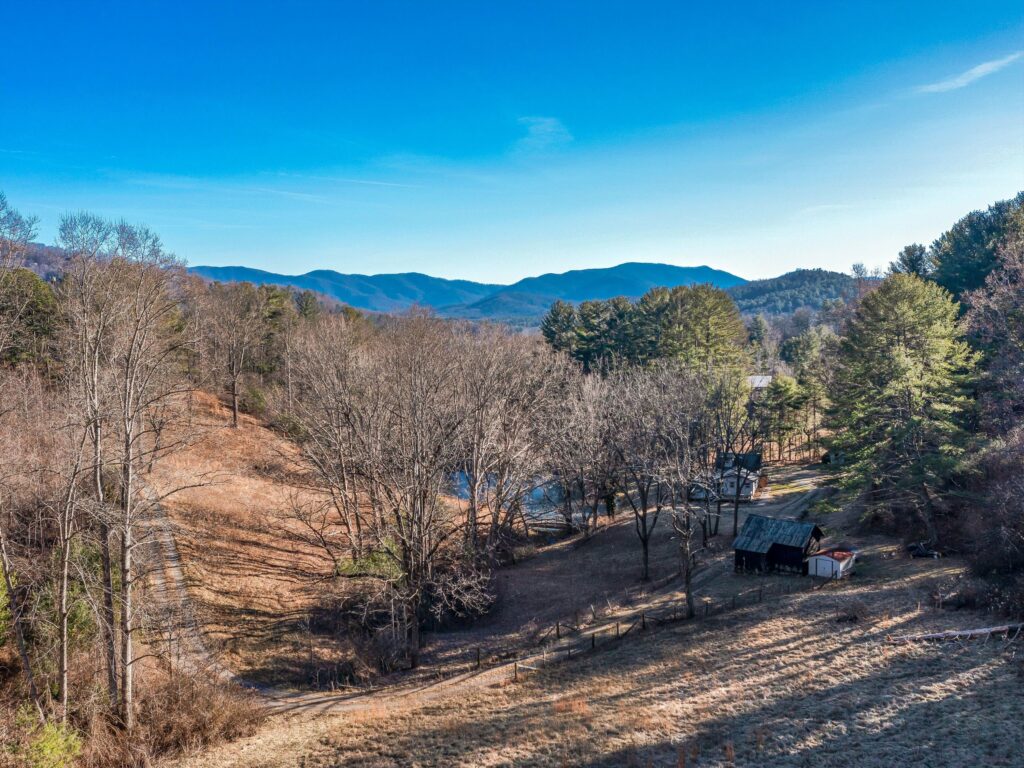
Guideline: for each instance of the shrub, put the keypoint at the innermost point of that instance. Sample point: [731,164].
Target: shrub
[53,746]
[853,610]
[29,744]
[177,714]
[253,401]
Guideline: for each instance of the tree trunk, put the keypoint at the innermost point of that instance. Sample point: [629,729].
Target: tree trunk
[19,635]
[736,503]
[414,637]
[688,584]
[109,620]
[109,629]
[127,698]
[64,610]
[127,582]
[234,402]
[925,512]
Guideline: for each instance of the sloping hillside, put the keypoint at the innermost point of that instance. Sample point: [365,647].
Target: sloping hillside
[250,569]
[804,676]
[780,683]
[787,293]
[376,293]
[527,299]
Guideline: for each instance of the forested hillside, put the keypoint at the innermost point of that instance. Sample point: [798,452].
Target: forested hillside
[803,288]
[376,293]
[523,302]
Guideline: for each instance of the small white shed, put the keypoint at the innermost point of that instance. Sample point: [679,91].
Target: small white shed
[831,563]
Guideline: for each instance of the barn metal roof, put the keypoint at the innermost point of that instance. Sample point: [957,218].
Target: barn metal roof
[760,532]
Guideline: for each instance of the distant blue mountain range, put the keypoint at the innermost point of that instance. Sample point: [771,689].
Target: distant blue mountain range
[522,301]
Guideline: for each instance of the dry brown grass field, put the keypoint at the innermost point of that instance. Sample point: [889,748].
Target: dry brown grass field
[249,579]
[254,584]
[778,683]
[782,683]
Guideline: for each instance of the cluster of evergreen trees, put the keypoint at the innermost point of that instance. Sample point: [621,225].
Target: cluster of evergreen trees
[698,325]
[963,257]
[918,376]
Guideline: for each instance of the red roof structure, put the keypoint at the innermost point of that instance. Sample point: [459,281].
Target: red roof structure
[836,554]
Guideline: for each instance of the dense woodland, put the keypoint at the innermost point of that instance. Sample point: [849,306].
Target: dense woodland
[425,438]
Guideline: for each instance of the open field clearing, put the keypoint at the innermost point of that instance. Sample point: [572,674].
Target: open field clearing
[253,584]
[782,683]
[249,580]
[581,581]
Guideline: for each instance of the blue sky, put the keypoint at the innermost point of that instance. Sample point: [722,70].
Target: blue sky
[491,141]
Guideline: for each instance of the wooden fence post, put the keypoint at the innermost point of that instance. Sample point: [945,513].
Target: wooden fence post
[558,630]
[616,629]
[515,671]
[593,641]
[478,657]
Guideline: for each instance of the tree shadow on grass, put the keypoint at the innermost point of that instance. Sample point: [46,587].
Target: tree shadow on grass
[928,706]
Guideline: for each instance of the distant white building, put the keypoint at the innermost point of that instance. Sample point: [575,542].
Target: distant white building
[759,382]
[831,563]
[749,480]
[738,469]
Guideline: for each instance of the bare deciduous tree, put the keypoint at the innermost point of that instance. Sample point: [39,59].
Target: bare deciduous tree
[236,323]
[508,386]
[124,350]
[635,410]
[382,429]
[578,452]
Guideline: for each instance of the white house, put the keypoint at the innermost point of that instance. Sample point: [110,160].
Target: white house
[831,563]
[759,382]
[749,480]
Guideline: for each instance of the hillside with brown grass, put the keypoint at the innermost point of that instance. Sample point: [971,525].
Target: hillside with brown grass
[790,682]
[250,576]
[795,679]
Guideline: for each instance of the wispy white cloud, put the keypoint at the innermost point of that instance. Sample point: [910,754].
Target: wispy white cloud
[974,73]
[347,180]
[823,209]
[542,133]
[193,184]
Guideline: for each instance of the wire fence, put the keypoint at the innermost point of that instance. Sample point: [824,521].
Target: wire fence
[572,638]
[566,641]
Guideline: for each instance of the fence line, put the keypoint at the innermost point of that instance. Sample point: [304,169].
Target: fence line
[674,614]
[557,637]
[666,616]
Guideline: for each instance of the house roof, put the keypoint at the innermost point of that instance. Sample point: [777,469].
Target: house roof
[748,474]
[760,533]
[759,382]
[728,460]
[834,554]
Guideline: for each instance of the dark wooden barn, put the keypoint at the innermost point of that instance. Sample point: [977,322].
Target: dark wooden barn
[774,544]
